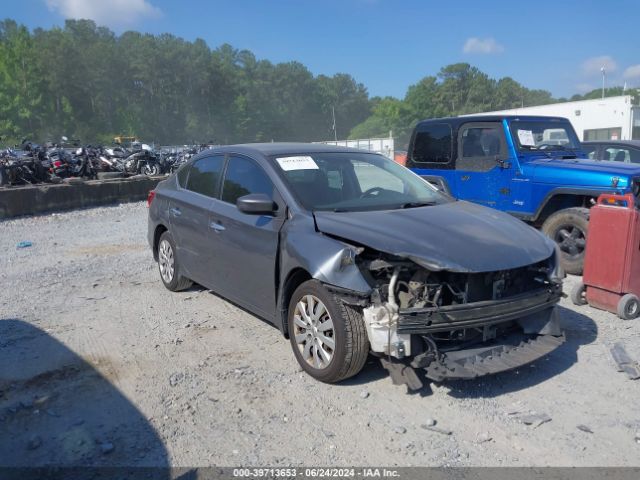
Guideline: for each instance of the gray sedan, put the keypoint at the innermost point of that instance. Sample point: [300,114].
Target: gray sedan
[349,253]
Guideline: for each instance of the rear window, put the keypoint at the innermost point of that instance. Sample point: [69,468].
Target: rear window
[204,176]
[432,144]
[183,173]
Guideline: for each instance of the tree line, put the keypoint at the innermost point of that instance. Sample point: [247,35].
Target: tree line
[86,82]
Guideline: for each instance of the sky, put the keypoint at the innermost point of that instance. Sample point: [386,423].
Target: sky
[388,45]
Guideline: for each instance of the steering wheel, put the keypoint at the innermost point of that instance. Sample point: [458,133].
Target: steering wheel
[370,192]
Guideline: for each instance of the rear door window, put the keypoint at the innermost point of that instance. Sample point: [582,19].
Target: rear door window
[183,173]
[204,176]
[432,144]
[243,177]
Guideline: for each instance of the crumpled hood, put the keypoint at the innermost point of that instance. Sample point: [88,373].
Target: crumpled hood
[455,236]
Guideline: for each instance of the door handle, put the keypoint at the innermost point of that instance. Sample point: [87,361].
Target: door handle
[464,178]
[175,212]
[218,227]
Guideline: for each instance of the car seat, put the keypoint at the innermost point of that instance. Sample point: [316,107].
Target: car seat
[620,156]
[471,145]
[313,187]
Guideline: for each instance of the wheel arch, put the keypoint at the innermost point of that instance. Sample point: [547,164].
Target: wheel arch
[561,199]
[293,280]
[159,230]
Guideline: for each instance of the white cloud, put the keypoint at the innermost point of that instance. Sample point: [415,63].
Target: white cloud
[482,45]
[112,13]
[632,73]
[592,66]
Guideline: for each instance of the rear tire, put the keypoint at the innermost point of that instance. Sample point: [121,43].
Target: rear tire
[578,294]
[168,265]
[151,169]
[568,228]
[347,334]
[628,307]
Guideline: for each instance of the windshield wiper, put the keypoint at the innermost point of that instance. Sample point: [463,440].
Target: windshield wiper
[418,204]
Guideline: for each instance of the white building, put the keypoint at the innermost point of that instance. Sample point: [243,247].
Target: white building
[612,118]
[384,146]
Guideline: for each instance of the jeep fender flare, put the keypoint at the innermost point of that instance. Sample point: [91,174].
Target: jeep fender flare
[556,192]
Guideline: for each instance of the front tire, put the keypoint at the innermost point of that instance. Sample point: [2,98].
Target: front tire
[328,337]
[568,228]
[168,265]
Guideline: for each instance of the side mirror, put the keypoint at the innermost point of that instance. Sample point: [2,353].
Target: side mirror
[256,204]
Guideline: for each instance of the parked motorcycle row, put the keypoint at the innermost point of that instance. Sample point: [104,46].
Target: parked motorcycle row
[31,163]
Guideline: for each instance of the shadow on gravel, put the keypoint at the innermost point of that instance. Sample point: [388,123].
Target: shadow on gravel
[579,330]
[56,409]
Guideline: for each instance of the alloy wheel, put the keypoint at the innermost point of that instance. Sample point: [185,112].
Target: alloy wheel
[571,240]
[166,261]
[314,332]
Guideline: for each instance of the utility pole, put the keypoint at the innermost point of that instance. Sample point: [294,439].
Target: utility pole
[603,75]
[335,132]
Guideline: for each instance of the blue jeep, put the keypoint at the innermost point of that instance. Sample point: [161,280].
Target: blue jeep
[531,167]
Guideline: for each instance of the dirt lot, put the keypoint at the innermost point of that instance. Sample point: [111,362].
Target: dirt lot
[100,365]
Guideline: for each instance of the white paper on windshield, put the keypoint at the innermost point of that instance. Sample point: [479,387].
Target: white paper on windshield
[301,162]
[526,138]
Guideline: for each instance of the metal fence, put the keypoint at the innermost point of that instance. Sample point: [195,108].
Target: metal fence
[385,146]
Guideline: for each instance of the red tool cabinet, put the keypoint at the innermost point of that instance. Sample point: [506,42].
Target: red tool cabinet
[611,279]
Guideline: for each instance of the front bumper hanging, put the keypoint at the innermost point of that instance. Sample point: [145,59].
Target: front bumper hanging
[468,364]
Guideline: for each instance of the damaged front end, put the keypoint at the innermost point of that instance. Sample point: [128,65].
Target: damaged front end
[458,325]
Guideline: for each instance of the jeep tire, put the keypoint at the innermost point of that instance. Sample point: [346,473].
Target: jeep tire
[568,228]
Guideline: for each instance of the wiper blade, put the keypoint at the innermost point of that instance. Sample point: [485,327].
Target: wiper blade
[418,204]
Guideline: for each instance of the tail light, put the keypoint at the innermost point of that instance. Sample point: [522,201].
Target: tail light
[150,197]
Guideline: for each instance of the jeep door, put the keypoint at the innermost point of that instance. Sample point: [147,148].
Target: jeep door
[247,245]
[483,168]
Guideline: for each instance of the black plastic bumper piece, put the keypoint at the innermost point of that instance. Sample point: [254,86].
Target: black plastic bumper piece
[477,314]
[489,360]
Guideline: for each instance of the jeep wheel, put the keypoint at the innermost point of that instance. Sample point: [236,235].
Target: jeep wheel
[329,338]
[568,228]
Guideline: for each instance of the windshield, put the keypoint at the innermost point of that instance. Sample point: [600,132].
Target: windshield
[544,135]
[343,182]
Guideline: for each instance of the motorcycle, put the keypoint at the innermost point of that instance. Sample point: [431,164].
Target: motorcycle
[142,161]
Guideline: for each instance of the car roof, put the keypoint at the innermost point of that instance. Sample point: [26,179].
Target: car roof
[491,118]
[283,148]
[630,143]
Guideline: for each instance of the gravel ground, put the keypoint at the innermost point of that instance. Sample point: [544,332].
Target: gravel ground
[100,365]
